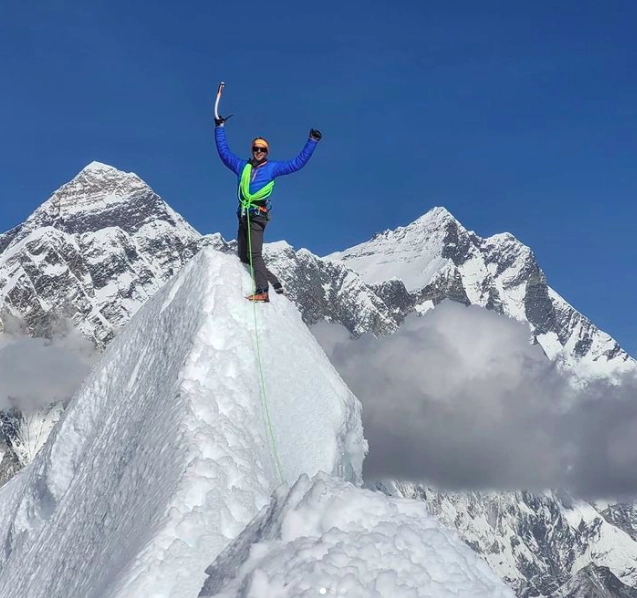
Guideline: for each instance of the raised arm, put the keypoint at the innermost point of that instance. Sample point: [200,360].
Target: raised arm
[290,166]
[232,161]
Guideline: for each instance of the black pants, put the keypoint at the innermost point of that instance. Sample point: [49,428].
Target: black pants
[261,274]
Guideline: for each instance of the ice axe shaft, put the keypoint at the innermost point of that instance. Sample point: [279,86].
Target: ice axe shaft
[219,92]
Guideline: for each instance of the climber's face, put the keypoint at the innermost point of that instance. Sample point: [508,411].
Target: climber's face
[259,152]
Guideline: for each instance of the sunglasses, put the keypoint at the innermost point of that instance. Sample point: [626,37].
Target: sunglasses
[256,149]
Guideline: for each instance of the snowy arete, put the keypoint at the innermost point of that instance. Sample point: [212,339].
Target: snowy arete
[166,455]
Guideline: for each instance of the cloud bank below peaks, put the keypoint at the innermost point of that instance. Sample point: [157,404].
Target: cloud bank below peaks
[461,398]
[36,372]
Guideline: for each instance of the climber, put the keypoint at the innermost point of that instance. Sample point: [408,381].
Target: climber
[255,183]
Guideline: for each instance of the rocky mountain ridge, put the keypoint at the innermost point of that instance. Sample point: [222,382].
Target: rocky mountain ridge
[436,258]
[105,242]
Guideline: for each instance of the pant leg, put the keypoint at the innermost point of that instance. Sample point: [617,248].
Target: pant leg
[242,241]
[261,273]
[272,279]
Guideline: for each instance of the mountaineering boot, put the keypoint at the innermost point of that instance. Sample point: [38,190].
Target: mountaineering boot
[260,296]
[278,288]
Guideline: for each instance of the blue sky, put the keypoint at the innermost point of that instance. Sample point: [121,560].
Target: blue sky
[515,118]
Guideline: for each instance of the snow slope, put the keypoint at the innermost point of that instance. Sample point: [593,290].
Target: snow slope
[328,537]
[404,253]
[163,456]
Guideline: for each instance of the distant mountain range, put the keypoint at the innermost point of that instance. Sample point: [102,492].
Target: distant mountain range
[105,242]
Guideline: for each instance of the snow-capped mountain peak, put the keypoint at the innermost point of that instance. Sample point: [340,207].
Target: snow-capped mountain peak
[105,242]
[436,258]
[413,253]
[99,196]
[437,217]
[97,190]
[96,166]
[98,248]
[94,186]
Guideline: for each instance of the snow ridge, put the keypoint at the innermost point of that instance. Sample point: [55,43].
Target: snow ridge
[162,457]
[101,264]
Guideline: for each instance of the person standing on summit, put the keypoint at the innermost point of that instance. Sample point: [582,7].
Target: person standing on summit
[255,179]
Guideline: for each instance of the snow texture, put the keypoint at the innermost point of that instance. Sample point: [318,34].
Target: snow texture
[533,541]
[163,456]
[105,242]
[327,537]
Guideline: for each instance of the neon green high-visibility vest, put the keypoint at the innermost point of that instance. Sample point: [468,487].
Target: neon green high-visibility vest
[245,197]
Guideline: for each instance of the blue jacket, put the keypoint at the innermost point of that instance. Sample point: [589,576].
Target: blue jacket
[267,171]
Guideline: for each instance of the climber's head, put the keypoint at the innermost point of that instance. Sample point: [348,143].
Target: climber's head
[260,148]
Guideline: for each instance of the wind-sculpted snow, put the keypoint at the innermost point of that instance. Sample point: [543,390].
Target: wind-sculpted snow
[104,243]
[326,537]
[163,456]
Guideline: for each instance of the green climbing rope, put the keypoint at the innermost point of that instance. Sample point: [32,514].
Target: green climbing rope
[261,377]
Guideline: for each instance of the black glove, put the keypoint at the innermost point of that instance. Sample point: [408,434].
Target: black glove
[315,134]
[221,120]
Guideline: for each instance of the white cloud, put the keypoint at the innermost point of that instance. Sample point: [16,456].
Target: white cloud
[461,398]
[36,372]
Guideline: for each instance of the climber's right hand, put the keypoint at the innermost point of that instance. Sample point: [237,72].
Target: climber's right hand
[219,122]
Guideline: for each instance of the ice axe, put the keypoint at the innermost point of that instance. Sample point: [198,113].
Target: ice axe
[219,120]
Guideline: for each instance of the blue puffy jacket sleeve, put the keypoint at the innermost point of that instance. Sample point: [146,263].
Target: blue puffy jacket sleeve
[232,161]
[290,166]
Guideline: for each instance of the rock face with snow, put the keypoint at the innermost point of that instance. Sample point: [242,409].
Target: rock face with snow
[171,447]
[436,258]
[95,251]
[105,242]
[534,542]
[595,582]
[327,291]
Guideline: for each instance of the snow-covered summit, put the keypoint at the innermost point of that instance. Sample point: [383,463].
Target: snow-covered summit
[413,253]
[168,451]
[176,442]
[93,269]
[96,166]
[100,196]
[96,250]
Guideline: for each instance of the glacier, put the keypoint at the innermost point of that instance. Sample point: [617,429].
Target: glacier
[175,443]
